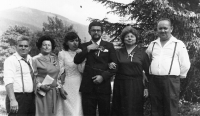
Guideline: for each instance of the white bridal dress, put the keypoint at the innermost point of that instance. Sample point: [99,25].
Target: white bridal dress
[72,105]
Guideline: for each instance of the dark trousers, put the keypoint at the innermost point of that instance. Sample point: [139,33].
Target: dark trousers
[26,104]
[164,95]
[90,102]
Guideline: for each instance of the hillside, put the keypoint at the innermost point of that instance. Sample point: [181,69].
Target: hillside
[34,19]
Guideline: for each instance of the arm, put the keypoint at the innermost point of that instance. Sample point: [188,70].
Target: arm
[80,57]
[146,64]
[184,61]
[35,72]
[113,58]
[9,73]
[145,67]
[61,79]
[105,75]
[149,49]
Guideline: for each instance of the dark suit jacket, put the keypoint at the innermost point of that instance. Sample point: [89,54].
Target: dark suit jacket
[96,65]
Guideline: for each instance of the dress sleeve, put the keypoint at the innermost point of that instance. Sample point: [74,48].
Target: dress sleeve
[146,64]
[113,58]
[61,75]
[35,72]
[80,57]
[61,62]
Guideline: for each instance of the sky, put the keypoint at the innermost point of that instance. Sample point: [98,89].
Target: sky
[76,10]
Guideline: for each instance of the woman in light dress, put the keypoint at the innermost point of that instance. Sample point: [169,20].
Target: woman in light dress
[46,63]
[72,105]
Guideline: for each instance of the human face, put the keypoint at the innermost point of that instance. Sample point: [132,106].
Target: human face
[73,44]
[130,39]
[46,47]
[95,33]
[23,48]
[164,29]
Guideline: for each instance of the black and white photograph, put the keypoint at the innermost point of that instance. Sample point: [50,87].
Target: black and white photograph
[99,57]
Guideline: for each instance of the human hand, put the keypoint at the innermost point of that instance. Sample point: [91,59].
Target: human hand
[146,93]
[112,65]
[78,50]
[145,79]
[97,79]
[63,93]
[62,77]
[45,88]
[14,106]
[92,46]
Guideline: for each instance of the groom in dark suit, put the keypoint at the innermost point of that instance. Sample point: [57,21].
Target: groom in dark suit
[95,86]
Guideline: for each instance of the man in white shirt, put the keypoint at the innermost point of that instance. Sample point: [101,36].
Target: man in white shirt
[170,62]
[18,78]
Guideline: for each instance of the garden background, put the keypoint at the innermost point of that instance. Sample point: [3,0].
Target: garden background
[141,14]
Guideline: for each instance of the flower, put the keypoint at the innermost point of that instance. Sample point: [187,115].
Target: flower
[100,49]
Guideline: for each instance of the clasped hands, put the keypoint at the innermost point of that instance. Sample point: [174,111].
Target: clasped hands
[92,46]
[63,93]
[97,79]
[45,88]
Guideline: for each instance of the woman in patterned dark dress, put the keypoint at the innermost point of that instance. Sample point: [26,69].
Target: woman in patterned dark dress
[129,90]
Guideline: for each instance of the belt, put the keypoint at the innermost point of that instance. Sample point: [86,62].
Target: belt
[161,76]
[126,77]
[18,93]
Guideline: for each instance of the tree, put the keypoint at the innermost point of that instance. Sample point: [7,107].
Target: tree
[8,42]
[56,28]
[185,19]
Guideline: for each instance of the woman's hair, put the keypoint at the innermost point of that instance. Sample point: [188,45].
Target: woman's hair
[70,36]
[127,30]
[45,38]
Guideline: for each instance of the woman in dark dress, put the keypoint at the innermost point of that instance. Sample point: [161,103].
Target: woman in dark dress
[129,90]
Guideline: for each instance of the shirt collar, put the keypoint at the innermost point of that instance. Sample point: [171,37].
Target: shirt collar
[98,42]
[172,39]
[20,58]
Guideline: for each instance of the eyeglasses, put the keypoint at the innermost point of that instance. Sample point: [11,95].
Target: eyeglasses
[23,46]
[94,30]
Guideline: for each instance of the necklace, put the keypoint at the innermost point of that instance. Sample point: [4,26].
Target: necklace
[131,54]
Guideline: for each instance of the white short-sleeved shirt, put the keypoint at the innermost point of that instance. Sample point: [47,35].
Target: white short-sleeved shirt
[162,57]
[12,73]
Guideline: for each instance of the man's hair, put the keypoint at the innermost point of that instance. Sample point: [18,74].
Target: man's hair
[165,19]
[23,38]
[95,23]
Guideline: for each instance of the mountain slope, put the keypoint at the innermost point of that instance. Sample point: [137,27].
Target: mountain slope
[34,19]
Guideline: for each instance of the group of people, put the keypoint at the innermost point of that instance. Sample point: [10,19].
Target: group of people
[80,76]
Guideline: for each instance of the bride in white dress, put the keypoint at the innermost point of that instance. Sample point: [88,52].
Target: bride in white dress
[72,106]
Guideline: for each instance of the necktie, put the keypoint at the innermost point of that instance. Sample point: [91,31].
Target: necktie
[31,70]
